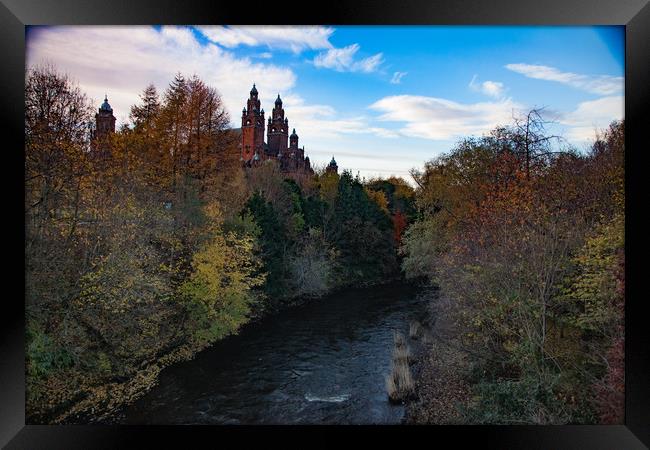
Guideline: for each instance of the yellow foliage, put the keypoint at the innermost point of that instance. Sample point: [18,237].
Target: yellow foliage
[379,197]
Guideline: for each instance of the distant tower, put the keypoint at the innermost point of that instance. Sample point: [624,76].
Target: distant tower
[278,130]
[293,140]
[332,167]
[252,125]
[104,120]
[297,154]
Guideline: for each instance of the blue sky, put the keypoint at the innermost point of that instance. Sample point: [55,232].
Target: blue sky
[382,100]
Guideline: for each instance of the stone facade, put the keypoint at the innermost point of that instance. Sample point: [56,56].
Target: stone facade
[252,128]
[279,146]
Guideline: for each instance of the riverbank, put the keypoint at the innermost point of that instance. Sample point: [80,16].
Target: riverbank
[277,307]
[441,389]
[105,402]
[323,362]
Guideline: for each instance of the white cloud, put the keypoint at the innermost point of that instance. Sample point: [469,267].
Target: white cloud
[600,84]
[122,61]
[442,119]
[592,116]
[291,38]
[397,77]
[369,64]
[342,60]
[265,55]
[337,58]
[493,89]
[369,154]
[322,121]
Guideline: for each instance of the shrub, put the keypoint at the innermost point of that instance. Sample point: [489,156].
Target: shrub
[43,355]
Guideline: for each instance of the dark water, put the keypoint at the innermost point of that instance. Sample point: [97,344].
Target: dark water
[324,362]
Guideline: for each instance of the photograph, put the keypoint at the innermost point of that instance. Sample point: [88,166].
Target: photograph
[325,224]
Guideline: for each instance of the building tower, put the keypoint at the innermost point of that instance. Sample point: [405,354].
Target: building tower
[278,130]
[332,167]
[293,140]
[104,120]
[252,126]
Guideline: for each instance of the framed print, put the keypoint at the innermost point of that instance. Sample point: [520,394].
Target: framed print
[370,218]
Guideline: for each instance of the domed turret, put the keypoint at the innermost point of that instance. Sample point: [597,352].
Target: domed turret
[278,101]
[105,106]
[293,139]
[332,167]
[254,90]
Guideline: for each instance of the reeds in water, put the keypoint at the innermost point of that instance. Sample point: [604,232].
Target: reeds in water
[399,383]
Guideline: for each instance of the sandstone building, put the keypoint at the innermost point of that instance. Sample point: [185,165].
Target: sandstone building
[279,144]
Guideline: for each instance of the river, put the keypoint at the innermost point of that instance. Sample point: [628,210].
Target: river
[322,362]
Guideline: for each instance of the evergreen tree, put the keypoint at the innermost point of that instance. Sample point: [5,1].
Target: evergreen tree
[273,243]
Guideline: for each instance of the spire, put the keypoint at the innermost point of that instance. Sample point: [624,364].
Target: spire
[254,90]
[278,101]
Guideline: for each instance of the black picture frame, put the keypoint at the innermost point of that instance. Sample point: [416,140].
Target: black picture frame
[633,14]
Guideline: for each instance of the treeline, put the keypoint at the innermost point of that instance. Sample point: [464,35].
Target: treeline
[145,248]
[525,238]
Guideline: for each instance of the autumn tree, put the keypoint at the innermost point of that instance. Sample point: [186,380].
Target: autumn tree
[146,253]
[220,293]
[57,116]
[501,220]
